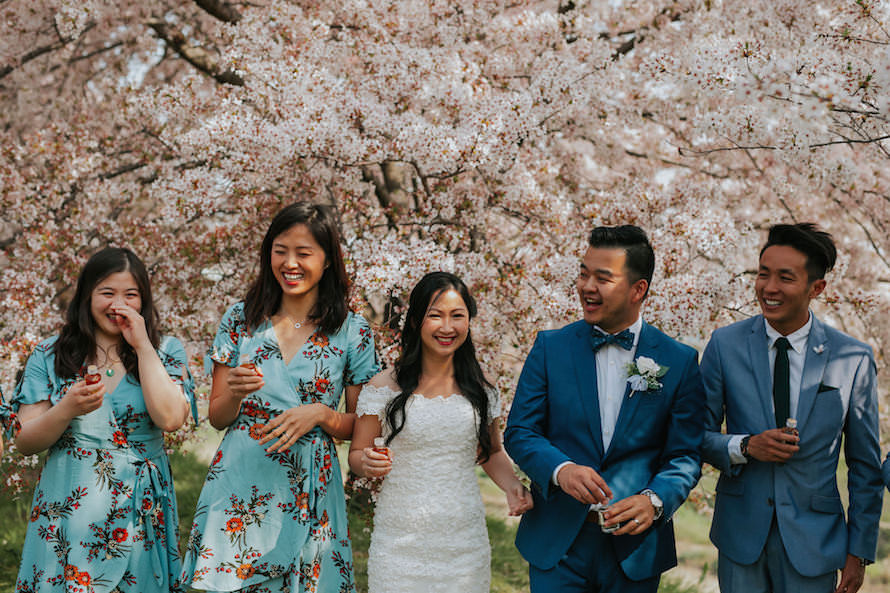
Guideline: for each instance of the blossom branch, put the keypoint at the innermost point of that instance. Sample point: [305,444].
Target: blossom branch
[196,56]
[220,9]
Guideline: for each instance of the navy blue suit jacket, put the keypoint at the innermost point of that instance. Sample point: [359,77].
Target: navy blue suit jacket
[656,444]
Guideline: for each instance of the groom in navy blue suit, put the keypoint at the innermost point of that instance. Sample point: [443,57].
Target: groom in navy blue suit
[607,414]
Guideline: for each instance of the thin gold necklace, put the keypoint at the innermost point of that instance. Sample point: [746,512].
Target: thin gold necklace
[296,324]
[109,370]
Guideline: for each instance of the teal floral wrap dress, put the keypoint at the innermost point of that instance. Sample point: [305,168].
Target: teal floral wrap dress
[103,517]
[276,521]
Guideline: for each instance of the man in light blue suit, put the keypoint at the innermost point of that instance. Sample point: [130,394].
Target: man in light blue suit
[589,430]
[779,522]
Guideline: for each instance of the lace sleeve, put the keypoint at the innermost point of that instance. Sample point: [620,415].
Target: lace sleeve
[372,400]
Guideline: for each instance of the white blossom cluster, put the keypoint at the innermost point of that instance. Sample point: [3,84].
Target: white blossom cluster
[481,137]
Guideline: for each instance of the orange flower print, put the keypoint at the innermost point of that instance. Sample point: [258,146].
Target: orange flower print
[303,500]
[35,513]
[70,572]
[321,385]
[245,571]
[217,458]
[316,570]
[319,339]
[83,578]
[234,524]
[119,438]
[119,535]
[147,504]
[256,431]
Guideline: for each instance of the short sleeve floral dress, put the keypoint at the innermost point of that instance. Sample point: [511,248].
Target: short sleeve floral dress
[276,521]
[103,518]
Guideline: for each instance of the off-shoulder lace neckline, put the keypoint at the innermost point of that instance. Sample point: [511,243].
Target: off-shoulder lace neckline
[415,394]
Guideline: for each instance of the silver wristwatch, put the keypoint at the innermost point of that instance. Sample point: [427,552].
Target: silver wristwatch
[656,503]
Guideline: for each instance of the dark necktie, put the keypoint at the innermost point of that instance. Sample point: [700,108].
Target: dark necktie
[625,339]
[781,382]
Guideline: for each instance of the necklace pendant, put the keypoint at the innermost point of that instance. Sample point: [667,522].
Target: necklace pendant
[297,325]
[109,372]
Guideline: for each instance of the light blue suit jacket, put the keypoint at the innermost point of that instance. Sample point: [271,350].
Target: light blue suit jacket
[656,444]
[838,402]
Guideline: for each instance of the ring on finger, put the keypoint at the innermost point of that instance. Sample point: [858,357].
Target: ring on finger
[637,521]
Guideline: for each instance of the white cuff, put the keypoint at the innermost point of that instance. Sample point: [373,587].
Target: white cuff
[735,449]
[556,472]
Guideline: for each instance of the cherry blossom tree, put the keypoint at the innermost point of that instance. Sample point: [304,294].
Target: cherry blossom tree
[482,137]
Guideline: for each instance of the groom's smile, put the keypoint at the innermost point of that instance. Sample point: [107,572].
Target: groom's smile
[609,298]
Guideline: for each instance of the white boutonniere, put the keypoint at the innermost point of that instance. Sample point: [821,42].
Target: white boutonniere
[643,374]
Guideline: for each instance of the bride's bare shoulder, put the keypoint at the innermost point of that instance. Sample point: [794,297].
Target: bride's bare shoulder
[385,378]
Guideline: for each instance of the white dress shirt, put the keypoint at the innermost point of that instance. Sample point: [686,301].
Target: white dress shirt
[796,356]
[611,383]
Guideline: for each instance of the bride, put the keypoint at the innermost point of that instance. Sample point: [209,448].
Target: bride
[438,415]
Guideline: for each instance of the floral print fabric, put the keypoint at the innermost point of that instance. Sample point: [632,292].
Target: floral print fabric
[278,517]
[103,517]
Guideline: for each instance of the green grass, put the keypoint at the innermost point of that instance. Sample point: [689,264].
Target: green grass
[509,572]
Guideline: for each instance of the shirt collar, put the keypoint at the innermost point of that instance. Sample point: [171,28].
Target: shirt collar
[635,328]
[797,339]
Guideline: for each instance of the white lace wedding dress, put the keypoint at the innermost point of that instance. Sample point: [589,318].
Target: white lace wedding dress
[429,523]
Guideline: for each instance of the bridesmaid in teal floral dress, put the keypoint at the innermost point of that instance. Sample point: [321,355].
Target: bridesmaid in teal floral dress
[104,512]
[272,516]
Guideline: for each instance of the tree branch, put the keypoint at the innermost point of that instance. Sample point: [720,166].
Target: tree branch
[36,53]
[196,56]
[220,9]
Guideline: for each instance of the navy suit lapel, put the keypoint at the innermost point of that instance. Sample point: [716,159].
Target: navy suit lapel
[815,359]
[647,346]
[585,373]
[758,350]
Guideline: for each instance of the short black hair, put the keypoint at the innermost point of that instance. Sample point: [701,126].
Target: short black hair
[810,240]
[640,257]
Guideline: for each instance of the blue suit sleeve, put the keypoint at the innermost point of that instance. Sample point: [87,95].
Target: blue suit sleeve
[715,447]
[862,451]
[680,466]
[526,436]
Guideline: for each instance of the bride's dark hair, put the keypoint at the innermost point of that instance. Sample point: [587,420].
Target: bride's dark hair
[467,372]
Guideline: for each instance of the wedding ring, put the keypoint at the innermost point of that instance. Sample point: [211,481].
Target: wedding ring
[637,521]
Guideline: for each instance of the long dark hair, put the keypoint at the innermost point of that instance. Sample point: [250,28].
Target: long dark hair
[264,296]
[77,340]
[467,372]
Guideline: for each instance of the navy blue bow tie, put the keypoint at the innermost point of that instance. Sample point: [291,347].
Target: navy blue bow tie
[624,338]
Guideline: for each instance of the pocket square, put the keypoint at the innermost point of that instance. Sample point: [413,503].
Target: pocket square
[823,387]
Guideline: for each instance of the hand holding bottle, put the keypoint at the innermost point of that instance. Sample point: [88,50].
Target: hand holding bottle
[377,460]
